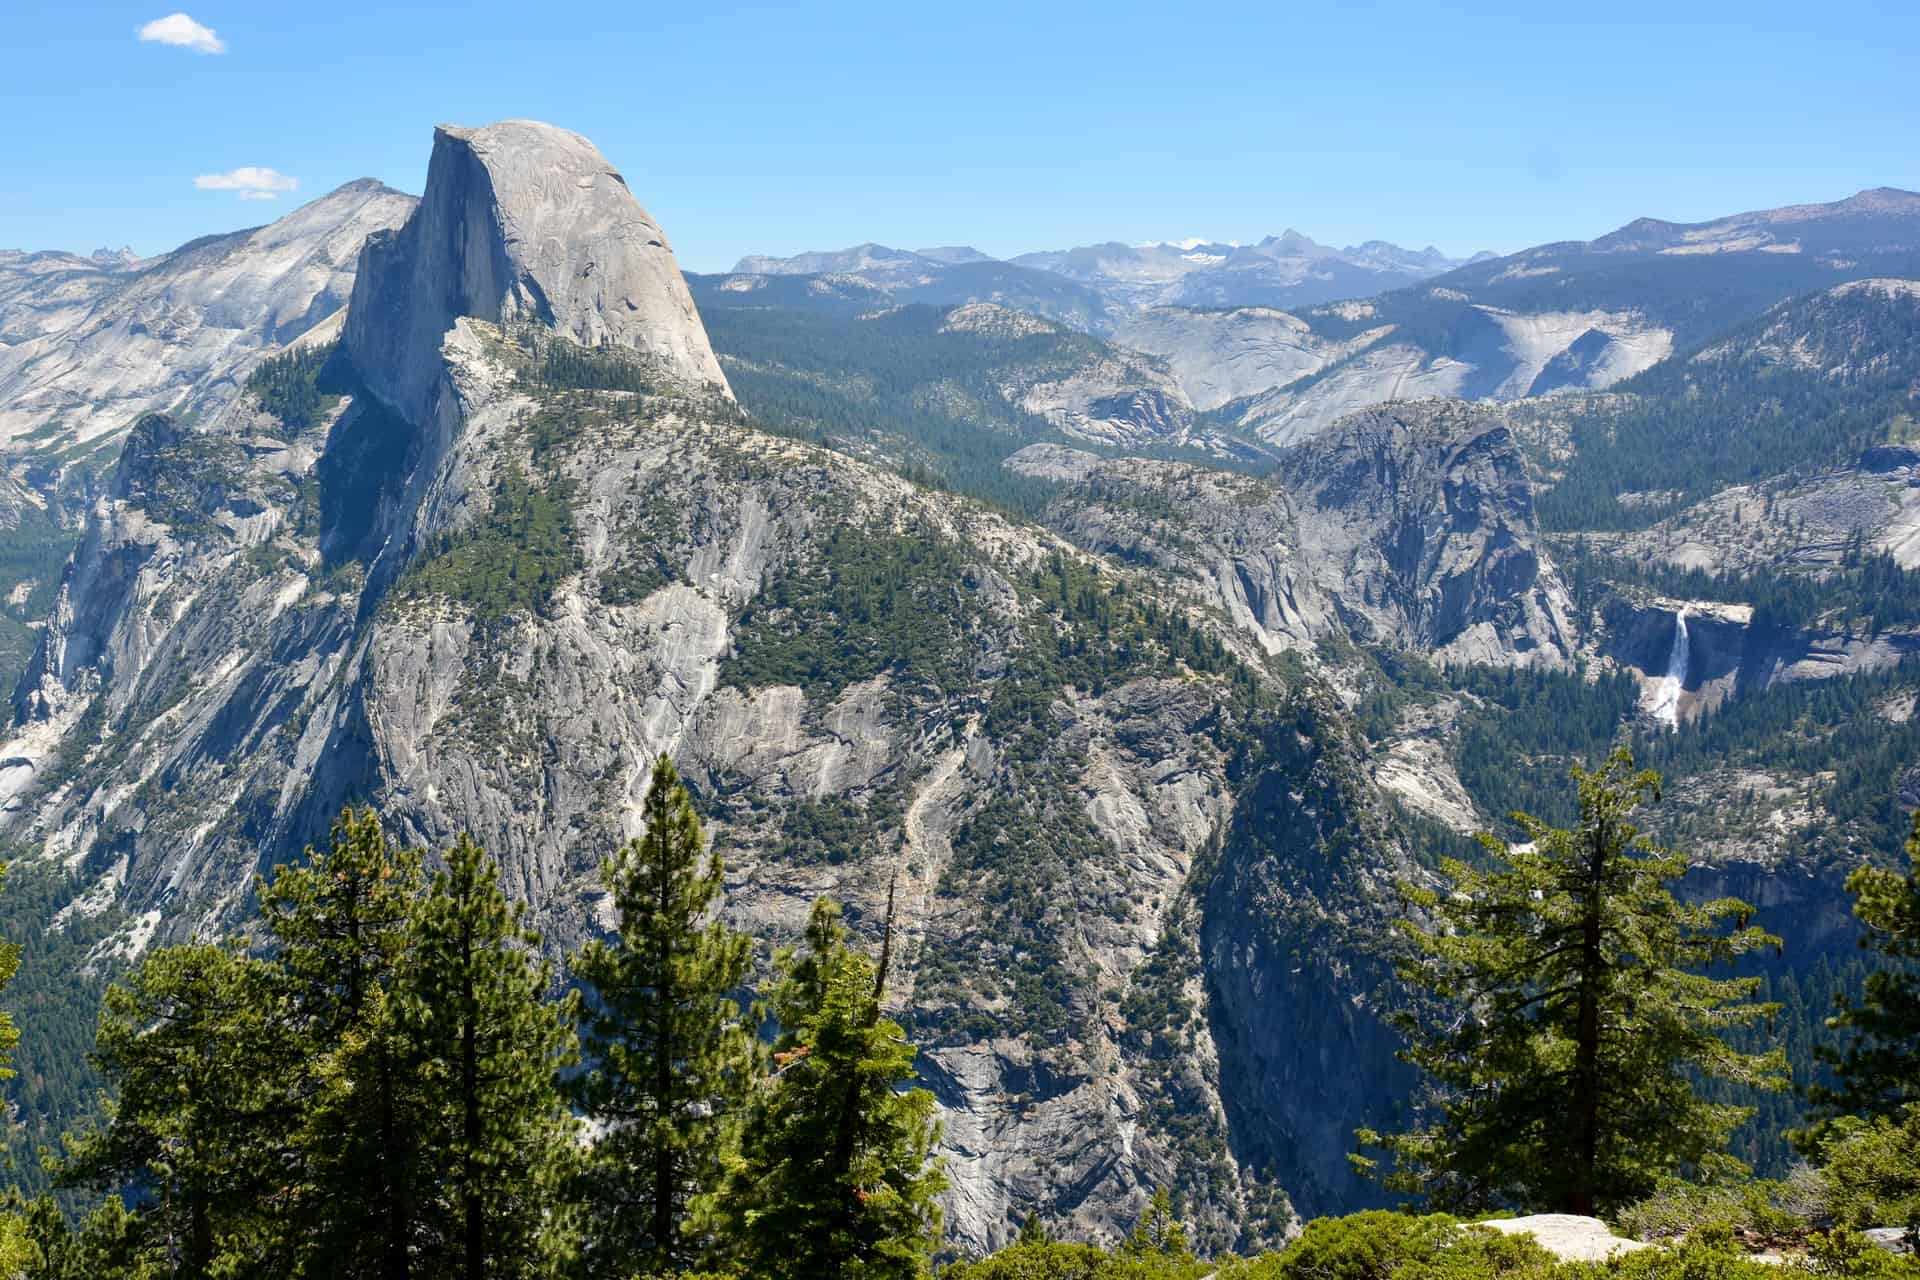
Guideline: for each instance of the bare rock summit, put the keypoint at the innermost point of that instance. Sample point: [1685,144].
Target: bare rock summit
[521,222]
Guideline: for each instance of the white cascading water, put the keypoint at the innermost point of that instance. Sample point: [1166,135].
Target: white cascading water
[1666,698]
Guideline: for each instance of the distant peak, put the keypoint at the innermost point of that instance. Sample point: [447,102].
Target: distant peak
[1882,198]
[364,186]
[955,254]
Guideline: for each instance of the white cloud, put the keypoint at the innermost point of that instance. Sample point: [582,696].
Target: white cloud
[179,29]
[251,181]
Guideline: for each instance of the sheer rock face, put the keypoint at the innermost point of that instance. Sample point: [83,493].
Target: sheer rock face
[1411,525]
[521,223]
[1419,519]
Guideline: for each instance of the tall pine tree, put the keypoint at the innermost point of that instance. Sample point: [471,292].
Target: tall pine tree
[1879,1068]
[836,1175]
[16,1247]
[489,1047]
[199,1049]
[672,1055]
[1571,1018]
[343,923]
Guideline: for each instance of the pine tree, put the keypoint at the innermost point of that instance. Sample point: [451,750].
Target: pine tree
[343,923]
[15,1244]
[1879,1069]
[1159,1233]
[488,1045]
[106,1247]
[1570,1016]
[836,1176]
[672,1052]
[9,1032]
[199,1049]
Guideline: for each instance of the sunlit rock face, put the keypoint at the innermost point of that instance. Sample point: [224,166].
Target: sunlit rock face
[521,223]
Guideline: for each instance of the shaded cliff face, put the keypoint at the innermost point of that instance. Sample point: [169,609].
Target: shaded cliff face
[1411,526]
[508,569]
[1297,960]
[1434,506]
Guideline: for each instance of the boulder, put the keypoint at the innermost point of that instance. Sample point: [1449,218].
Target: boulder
[1569,1236]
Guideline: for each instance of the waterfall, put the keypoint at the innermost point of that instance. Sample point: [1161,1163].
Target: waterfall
[1666,696]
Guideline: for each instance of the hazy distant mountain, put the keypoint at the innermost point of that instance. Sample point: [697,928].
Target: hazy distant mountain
[1563,317]
[1287,270]
[862,259]
[1876,221]
[872,275]
[955,254]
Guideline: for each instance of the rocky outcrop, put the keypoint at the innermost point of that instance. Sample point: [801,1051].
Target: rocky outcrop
[1223,356]
[1232,540]
[1569,1237]
[1419,520]
[91,346]
[1410,526]
[1082,387]
[521,223]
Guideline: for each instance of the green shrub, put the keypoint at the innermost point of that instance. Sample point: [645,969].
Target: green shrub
[299,387]
[1378,1245]
[1873,1170]
[510,560]
[1842,1253]
[1785,1210]
[1694,1260]
[1058,1261]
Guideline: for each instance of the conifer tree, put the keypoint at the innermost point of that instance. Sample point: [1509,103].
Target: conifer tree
[15,1244]
[9,1032]
[107,1246]
[1879,1069]
[672,1053]
[1570,1016]
[343,922]
[199,1048]
[1159,1233]
[836,1175]
[489,1046]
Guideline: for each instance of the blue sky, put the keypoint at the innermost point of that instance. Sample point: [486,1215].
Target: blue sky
[776,128]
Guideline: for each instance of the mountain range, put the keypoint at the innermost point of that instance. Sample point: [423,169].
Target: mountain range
[1136,647]
[1284,270]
